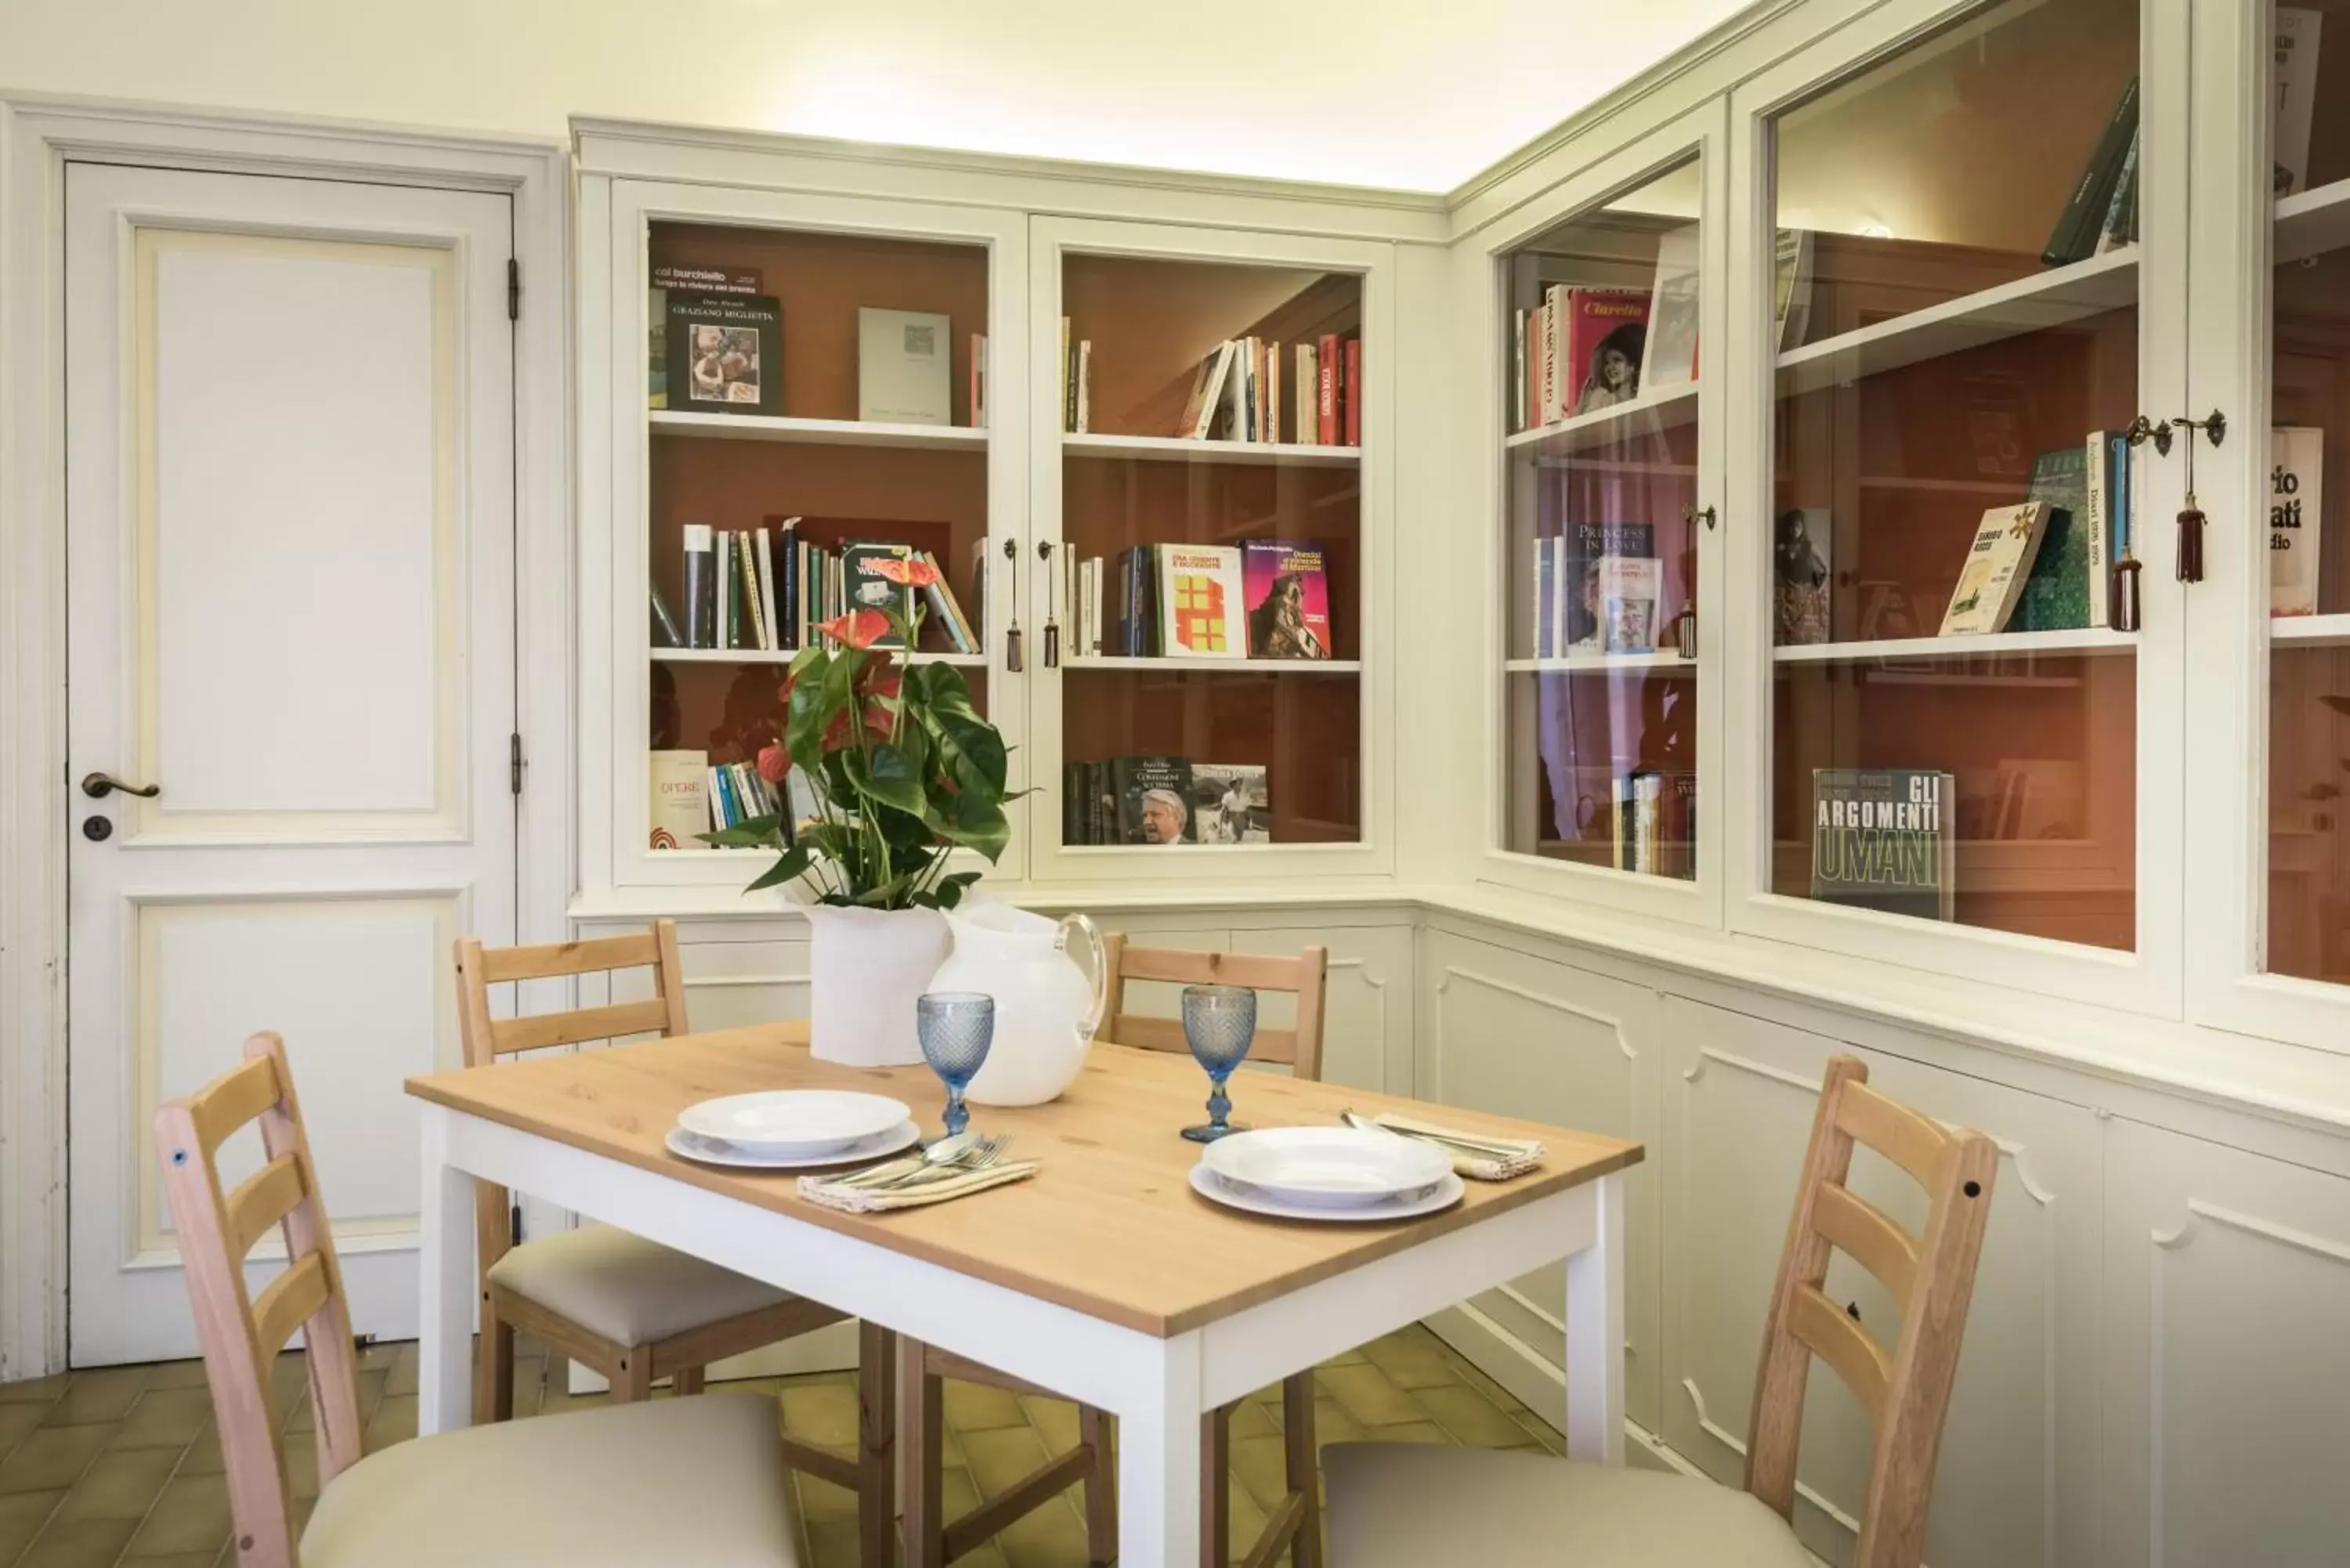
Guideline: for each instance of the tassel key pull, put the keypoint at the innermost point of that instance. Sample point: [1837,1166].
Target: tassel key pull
[2190,542]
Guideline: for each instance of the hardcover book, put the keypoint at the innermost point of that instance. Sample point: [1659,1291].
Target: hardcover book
[1199,601]
[1577,595]
[700,586]
[1670,358]
[1200,408]
[1881,839]
[677,797]
[2056,596]
[1803,577]
[1628,588]
[2074,236]
[1287,590]
[2296,95]
[2296,517]
[697,279]
[904,366]
[1230,804]
[866,589]
[1154,800]
[725,354]
[1606,333]
[1997,563]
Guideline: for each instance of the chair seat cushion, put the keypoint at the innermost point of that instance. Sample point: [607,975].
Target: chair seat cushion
[624,1288]
[1398,1504]
[696,1481]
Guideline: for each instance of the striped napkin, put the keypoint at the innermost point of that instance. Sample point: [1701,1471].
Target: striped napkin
[1474,1154]
[829,1192]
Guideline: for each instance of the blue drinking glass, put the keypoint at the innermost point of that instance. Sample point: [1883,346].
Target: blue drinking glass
[1219,1025]
[956,1028]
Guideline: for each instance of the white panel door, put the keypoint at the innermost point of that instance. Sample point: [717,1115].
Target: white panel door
[289,456]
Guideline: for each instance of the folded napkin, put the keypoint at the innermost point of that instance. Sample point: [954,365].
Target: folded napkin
[1474,1155]
[829,1192]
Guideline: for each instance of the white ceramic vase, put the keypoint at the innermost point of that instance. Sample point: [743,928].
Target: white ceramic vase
[866,966]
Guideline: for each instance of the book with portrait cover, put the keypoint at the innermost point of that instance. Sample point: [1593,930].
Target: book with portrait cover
[1230,804]
[1154,800]
[725,353]
[1628,590]
[1576,584]
[1882,839]
[1286,586]
[1200,609]
[1604,338]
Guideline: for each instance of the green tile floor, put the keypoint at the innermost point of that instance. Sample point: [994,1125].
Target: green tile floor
[122,1465]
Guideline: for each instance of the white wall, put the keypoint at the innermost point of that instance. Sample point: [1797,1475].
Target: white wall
[1402,93]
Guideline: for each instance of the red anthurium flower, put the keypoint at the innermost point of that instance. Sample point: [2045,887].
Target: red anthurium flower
[912,571]
[773,763]
[857,628]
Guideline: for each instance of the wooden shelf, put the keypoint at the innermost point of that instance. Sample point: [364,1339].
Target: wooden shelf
[815,433]
[1662,658]
[785,654]
[2311,630]
[2086,639]
[1649,415]
[2312,223]
[2051,298]
[1218,666]
[1169,449]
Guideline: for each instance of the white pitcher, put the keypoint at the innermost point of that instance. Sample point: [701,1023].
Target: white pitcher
[1046,1009]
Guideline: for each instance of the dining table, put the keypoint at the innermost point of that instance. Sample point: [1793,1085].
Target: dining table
[1104,1276]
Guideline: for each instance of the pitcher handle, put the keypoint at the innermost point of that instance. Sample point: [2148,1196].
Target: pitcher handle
[1100,973]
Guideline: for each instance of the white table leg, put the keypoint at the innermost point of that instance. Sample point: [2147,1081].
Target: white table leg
[1158,1463]
[1594,1336]
[445,1334]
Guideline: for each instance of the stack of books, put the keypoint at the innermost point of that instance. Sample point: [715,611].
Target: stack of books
[766,590]
[1164,800]
[1236,393]
[1077,382]
[1261,598]
[1654,823]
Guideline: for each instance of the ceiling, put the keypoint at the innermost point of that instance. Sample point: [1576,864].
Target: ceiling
[1400,93]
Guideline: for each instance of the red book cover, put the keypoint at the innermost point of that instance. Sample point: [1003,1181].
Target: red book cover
[1606,336]
[1355,391]
[1327,402]
[1287,587]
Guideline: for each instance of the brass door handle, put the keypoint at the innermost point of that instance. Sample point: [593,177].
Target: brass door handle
[97,786]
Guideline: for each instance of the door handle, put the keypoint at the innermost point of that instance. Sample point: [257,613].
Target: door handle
[97,786]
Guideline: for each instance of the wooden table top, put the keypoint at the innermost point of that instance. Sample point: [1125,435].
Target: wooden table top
[1109,1227]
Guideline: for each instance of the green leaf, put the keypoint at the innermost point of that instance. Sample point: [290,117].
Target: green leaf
[752,833]
[788,864]
[887,776]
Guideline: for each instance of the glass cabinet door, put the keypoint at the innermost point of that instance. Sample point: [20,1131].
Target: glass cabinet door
[1954,505]
[1601,361]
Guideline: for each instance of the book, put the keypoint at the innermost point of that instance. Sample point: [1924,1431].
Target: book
[2120,226]
[2296,517]
[1577,591]
[1670,356]
[904,366]
[1154,800]
[1546,580]
[1605,336]
[697,279]
[1326,395]
[2055,594]
[728,569]
[2096,463]
[725,353]
[2295,32]
[755,616]
[1200,408]
[676,798]
[2076,234]
[1066,401]
[865,589]
[1881,839]
[1353,395]
[1199,601]
[1084,413]
[1304,394]
[1803,577]
[1518,370]
[701,587]
[945,614]
[666,633]
[1993,575]
[792,629]
[1230,804]
[763,558]
[1628,590]
[1791,286]
[1073,803]
[976,399]
[1287,587]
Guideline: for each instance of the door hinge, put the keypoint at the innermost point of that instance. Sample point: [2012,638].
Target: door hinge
[513,762]
[514,289]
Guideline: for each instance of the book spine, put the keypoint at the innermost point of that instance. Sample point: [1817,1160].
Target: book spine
[1326,400]
[2097,524]
[701,592]
[1062,402]
[787,590]
[1085,408]
[2075,233]
[1354,391]
[728,574]
[1073,803]
[1273,391]
[666,631]
[1554,308]
[979,380]
[755,596]
[771,637]
[1518,371]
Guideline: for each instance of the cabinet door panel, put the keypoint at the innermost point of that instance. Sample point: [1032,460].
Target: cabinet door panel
[2227,1416]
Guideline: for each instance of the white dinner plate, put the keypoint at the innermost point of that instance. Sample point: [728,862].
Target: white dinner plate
[795,1121]
[1326,1168]
[1443,1194]
[688,1145]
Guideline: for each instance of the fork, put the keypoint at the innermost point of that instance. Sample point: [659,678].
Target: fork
[978,1155]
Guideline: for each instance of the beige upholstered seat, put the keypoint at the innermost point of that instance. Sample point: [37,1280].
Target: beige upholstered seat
[1401,1505]
[627,1486]
[624,1288]
[1414,1504]
[641,1485]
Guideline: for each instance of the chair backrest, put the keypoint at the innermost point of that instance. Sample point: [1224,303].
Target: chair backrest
[242,1335]
[486,1039]
[1306,976]
[1905,1390]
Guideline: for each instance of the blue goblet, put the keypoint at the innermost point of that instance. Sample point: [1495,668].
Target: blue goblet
[956,1028]
[1219,1025]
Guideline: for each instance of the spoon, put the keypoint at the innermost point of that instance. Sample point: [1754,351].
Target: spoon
[942,1151]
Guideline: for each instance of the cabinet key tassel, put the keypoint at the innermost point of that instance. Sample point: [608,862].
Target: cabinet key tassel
[1012,632]
[2190,540]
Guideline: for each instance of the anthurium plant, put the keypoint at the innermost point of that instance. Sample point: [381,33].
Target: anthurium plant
[902,767]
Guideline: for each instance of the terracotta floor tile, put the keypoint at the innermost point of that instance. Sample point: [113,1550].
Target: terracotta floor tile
[178,1375]
[183,1560]
[79,1543]
[191,1516]
[52,1456]
[36,1390]
[974,1408]
[16,1423]
[165,1418]
[104,1394]
[404,1364]
[22,1515]
[120,1485]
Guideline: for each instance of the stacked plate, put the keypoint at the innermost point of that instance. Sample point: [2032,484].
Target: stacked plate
[792,1130]
[1326,1173]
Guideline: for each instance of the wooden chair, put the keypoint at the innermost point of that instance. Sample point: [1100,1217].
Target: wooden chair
[614,1485]
[634,1309]
[930,1541]
[1403,1504]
